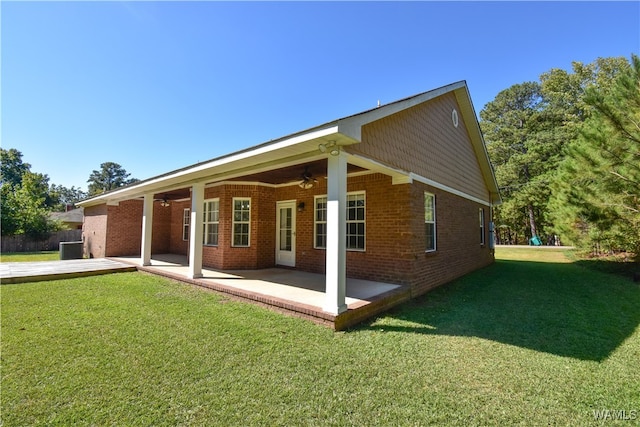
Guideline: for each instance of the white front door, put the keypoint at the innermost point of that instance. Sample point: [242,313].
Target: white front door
[286,233]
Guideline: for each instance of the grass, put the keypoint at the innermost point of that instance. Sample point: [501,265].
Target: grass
[532,340]
[30,256]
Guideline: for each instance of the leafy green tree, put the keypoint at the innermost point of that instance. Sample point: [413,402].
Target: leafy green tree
[25,198]
[12,167]
[66,196]
[598,191]
[25,208]
[109,177]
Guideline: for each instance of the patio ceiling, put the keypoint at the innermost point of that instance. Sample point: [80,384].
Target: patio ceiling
[280,176]
[317,169]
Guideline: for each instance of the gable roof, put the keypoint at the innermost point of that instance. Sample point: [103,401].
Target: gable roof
[303,146]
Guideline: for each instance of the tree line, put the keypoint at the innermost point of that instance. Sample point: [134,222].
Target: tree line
[27,199]
[566,154]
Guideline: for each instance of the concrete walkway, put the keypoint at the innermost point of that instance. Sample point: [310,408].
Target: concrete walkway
[21,272]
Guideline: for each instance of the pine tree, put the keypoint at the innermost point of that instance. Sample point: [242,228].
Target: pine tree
[598,191]
[110,176]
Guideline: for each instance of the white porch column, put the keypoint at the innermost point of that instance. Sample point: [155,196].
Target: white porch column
[195,231]
[336,253]
[147,227]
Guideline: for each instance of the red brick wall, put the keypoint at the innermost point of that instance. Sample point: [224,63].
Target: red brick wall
[384,258]
[94,231]
[124,228]
[261,250]
[395,248]
[117,230]
[395,241]
[307,258]
[176,244]
[161,234]
[387,231]
[458,248]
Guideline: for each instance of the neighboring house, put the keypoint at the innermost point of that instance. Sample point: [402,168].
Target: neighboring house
[72,219]
[400,194]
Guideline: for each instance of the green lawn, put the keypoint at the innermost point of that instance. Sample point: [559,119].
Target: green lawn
[30,256]
[531,340]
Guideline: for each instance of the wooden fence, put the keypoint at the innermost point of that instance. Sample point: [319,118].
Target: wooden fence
[23,243]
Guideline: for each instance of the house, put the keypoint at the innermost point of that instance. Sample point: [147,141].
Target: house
[399,194]
[71,219]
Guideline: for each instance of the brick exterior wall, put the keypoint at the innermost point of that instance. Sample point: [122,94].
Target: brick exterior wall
[117,230]
[94,231]
[395,232]
[124,228]
[261,250]
[176,244]
[458,249]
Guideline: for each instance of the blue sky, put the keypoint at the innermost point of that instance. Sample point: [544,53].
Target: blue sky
[156,86]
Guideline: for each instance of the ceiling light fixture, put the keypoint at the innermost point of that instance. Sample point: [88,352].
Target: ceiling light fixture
[165,202]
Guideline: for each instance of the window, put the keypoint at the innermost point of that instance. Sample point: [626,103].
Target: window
[210,221]
[186,220]
[481,226]
[355,226]
[241,222]
[430,222]
[320,223]
[355,221]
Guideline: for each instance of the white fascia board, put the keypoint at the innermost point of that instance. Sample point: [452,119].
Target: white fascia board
[448,189]
[477,140]
[200,171]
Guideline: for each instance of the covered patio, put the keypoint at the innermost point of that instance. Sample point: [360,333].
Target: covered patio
[292,291]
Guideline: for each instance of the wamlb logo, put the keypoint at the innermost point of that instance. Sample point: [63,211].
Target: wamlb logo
[615,414]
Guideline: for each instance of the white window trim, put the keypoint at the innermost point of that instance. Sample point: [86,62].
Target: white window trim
[481,218]
[234,222]
[364,221]
[205,223]
[435,234]
[316,222]
[186,224]
[350,193]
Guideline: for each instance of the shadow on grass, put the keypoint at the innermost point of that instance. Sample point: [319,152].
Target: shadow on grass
[561,309]
[626,269]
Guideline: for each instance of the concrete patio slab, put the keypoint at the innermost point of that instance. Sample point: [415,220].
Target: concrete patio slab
[290,290]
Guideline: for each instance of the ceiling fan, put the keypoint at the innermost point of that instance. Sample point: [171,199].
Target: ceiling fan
[308,181]
[165,202]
